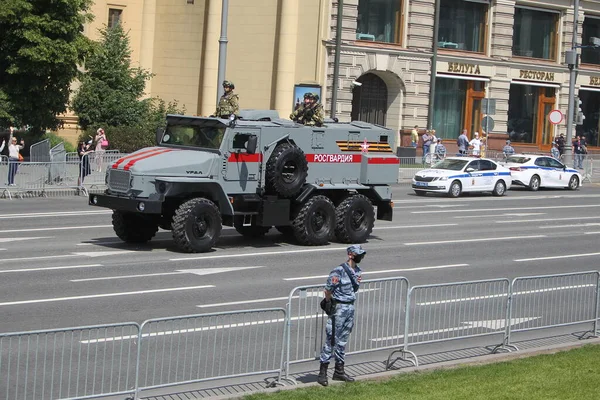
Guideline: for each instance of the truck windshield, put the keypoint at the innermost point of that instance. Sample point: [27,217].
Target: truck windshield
[207,137]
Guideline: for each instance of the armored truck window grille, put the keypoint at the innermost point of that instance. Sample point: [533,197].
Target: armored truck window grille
[379,21]
[207,137]
[535,33]
[462,25]
[369,101]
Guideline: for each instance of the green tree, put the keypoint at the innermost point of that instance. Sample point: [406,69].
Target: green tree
[41,45]
[111,88]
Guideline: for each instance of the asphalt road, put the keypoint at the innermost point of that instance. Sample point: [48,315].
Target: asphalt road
[61,264]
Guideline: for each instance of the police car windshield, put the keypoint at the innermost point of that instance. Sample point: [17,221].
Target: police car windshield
[517,159]
[451,164]
[207,137]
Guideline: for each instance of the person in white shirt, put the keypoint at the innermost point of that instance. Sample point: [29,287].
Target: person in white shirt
[13,158]
[476,144]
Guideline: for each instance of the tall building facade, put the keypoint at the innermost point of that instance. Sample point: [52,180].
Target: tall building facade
[509,51]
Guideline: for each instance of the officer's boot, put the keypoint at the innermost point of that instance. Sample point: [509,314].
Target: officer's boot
[340,375]
[322,379]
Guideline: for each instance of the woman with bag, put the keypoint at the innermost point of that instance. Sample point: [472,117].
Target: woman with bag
[14,157]
[101,145]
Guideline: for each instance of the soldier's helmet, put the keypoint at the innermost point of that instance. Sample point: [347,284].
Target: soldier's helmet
[228,84]
[308,95]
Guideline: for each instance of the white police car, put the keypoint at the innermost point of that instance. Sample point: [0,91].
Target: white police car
[455,175]
[534,172]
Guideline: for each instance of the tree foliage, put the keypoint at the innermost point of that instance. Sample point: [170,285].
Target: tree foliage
[111,88]
[42,44]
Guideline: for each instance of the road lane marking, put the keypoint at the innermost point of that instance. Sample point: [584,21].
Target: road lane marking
[95,254]
[36,258]
[262,253]
[200,272]
[20,239]
[56,228]
[591,233]
[412,207]
[471,210]
[383,271]
[467,241]
[558,257]
[545,220]
[54,214]
[498,215]
[235,303]
[569,226]
[96,296]
[51,268]
[412,226]
[495,296]
[118,241]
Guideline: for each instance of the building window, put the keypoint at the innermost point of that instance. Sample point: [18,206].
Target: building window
[457,106]
[535,34]
[591,28]
[462,25]
[369,101]
[379,20]
[528,109]
[114,17]
[590,105]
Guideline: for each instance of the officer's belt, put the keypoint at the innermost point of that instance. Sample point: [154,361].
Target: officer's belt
[343,302]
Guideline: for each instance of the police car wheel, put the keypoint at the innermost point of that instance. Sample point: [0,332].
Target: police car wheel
[196,225]
[286,170]
[315,221]
[455,189]
[250,230]
[573,183]
[534,183]
[499,189]
[134,228]
[354,218]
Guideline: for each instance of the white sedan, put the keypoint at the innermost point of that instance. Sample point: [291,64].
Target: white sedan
[455,175]
[535,171]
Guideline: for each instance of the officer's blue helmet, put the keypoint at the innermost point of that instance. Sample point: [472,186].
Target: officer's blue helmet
[356,249]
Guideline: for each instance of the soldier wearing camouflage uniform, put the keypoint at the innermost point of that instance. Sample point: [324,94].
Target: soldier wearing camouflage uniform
[340,290]
[310,113]
[229,102]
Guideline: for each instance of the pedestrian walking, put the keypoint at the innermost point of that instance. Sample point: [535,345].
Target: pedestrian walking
[577,153]
[463,143]
[414,136]
[560,141]
[229,102]
[475,143]
[340,294]
[14,158]
[554,151]
[427,140]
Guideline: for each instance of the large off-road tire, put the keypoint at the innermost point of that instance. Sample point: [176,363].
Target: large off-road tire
[534,183]
[250,230]
[573,183]
[196,225]
[134,228]
[315,222]
[286,170]
[354,219]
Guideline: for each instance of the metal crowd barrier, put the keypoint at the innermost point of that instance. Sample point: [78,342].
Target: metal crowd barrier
[195,348]
[81,363]
[379,311]
[588,169]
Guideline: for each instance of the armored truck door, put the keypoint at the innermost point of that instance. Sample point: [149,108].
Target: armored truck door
[242,170]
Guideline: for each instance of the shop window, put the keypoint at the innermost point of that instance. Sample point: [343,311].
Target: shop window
[590,105]
[114,17]
[457,106]
[369,101]
[528,108]
[591,28]
[379,20]
[535,34]
[462,25]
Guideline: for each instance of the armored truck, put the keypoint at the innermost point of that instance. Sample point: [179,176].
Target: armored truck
[254,172]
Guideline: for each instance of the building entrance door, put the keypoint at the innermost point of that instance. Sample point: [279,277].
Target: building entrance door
[473,115]
[545,130]
[369,101]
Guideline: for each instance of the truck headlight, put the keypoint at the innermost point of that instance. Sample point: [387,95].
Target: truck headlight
[141,206]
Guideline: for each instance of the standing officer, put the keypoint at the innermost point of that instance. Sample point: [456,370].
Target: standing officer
[310,113]
[229,102]
[508,150]
[298,114]
[340,289]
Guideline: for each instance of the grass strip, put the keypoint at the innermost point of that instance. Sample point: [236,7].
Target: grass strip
[572,374]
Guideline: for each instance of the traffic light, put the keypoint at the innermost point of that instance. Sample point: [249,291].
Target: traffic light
[579,117]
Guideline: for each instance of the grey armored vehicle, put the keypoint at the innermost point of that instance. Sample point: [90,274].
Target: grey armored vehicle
[253,173]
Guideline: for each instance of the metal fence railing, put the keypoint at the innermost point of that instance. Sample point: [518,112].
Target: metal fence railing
[68,363]
[127,358]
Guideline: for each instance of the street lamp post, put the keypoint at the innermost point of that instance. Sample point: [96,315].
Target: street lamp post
[436,27]
[571,59]
[222,49]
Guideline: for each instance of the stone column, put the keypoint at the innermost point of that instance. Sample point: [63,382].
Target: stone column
[147,40]
[286,58]
[210,66]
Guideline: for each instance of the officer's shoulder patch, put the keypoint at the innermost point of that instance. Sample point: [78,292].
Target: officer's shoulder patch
[335,279]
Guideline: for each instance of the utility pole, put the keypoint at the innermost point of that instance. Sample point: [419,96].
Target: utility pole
[571,58]
[222,50]
[336,62]
[436,27]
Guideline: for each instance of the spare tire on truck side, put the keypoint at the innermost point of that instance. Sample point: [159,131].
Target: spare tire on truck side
[286,170]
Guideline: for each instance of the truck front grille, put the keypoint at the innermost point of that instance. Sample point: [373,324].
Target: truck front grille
[119,180]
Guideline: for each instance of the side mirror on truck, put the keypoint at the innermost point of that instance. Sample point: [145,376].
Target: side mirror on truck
[159,134]
[252,144]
